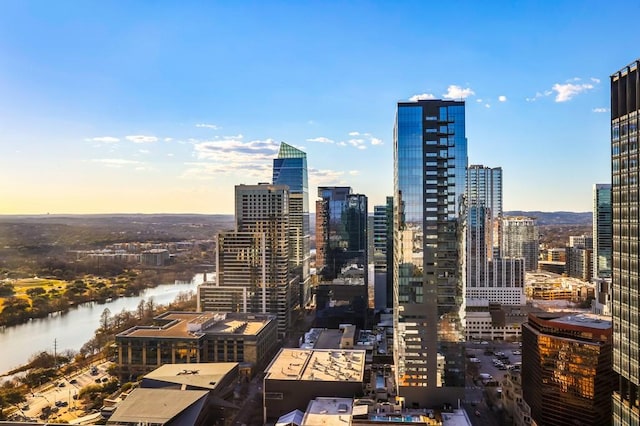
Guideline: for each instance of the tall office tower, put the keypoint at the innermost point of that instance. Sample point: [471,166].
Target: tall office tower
[520,239]
[579,254]
[341,231]
[430,159]
[383,253]
[290,168]
[602,247]
[253,261]
[602,230]
[625,110]
[567,377]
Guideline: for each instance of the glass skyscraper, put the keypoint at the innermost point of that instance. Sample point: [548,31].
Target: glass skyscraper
[290,168]
[602,230]
[520,238]
[341,230]
[625,159]
[430,160]
[484,203]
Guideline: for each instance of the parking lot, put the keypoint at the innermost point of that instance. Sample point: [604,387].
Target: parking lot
[482,396]
[493,358]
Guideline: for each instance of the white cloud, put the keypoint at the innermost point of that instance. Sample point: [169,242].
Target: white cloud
[208,126]
[600,110]
[487,106]
[116,162]
[595,80]
[168,139]
[325,177]
[479,101]
[539,95]
[502,98]
[103,139]
[421,97]
[354,133]
[170,154]
[565,92]
[358,143]
[354,172]
[142,139]
[457,92]
[232,156]
[320,139]
[144,151]
[376,141]
[342,143]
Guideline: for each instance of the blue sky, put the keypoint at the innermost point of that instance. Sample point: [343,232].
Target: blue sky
[164,106]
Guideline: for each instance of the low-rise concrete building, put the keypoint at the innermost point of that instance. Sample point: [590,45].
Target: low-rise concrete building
[196,337]
[296,376]
[163,407]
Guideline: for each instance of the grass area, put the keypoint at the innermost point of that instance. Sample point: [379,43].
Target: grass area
[21,285]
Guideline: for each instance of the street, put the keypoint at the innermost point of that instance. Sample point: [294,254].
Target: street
[62,391]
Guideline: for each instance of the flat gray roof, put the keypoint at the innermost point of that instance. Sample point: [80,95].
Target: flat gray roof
[586,320]
[157,406]
[204,375]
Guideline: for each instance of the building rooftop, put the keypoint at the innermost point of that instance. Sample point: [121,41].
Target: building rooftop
[204,375]
[329,339]
[193,325]
[155,406]
[328,411]
[586,320]
[317,364]
[457,418]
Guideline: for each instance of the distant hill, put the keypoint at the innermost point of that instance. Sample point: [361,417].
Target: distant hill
[556,218]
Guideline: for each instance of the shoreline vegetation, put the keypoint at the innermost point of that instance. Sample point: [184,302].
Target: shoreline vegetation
[51,367]
[25,299]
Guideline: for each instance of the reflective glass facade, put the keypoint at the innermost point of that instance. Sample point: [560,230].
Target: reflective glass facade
[484,203]
[567,377]
[430,160]
[520,238]
[341,230]
[290,168]
[625,191]
[602,231]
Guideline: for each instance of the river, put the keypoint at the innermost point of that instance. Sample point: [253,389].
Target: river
[74,328]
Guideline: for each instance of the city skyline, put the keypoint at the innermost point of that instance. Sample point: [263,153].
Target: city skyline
[164,108]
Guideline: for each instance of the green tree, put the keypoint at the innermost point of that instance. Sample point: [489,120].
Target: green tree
[6,290]
[36,291]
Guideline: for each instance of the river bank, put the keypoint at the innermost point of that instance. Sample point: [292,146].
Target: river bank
[72,329]
[41,297]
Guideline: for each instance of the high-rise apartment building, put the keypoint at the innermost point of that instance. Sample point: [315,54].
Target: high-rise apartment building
[520,239]
[430,159]
[579,255]
[253,261]
[341,231]
[567,377]
[483,202]
[290,168]
[383,252]
[625,112]
[602,250]
[602,230]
